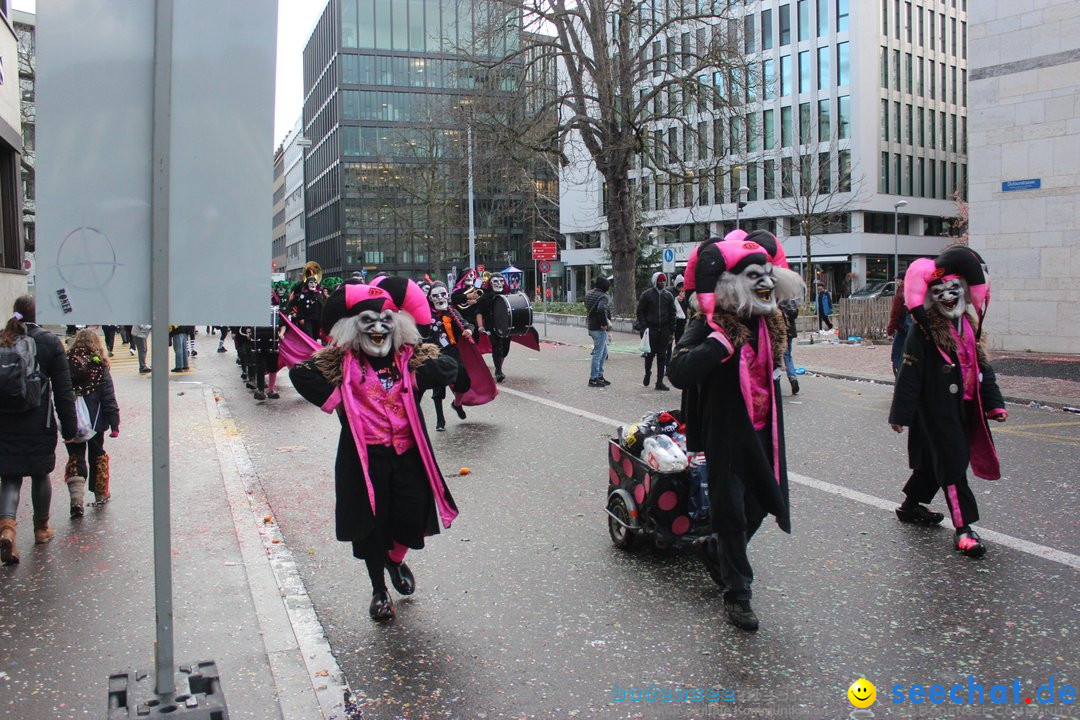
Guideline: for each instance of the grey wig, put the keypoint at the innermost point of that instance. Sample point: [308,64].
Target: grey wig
[346,331]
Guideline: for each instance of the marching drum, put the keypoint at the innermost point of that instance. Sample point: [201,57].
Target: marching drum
[512,314]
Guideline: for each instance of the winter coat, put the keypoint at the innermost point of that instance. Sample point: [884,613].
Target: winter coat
[790,310]
[597,309]
[28,439]
[824,303]
[91,381]
[928,398]
[656,311]
[740,458]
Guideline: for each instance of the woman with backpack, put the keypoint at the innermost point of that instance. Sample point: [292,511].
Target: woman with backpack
[91,381]
[32,364]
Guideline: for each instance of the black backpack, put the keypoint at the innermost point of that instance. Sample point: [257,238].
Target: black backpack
[21,383]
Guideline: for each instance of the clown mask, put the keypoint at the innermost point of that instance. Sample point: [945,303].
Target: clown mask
[498,284]
[947,298]
[440,298]
[312,284]
[376,332]
[749,292]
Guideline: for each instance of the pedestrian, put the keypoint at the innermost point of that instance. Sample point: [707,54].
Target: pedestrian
[32,363]
[91,381]
[598,318]
[110,337]
[178,338]
[790,309]
[724,364]
[946,391]
[656,316]
[390,494]
[898,327]
[139,333]
[221,340]
[682,307]
[824,306]
[192,332]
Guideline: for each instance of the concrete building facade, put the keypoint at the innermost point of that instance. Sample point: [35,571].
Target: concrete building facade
[869,95]
[293,167]
[1025,169]
[12,272]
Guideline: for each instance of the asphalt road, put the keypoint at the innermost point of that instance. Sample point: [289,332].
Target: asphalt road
[524,609]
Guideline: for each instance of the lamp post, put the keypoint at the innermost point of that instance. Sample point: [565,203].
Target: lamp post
[739,203]
[896,237]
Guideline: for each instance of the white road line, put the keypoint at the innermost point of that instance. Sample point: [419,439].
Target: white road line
[1015,543]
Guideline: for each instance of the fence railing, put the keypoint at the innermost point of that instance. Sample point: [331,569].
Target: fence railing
[864,318]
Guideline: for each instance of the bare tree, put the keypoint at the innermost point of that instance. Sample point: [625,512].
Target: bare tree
[635,73]
[28,118]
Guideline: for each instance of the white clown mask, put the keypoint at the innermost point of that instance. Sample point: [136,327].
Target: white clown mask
[376,332]
[948,298]
[498,283]
[440,298]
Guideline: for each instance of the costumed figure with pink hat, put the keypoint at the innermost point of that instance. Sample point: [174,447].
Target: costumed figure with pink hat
[390,493]
[726,364]
[500,345]
[946,391]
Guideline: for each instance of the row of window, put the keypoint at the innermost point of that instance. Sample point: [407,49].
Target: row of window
[753,132]
[921,177]
[406,143]
[760,26]
[919,127]
[428,26]
[415,72]
[918,28]
[809,175]
[915,76]
[394,106]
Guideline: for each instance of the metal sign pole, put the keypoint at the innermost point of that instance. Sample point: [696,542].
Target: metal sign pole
[159,317]
[544,290]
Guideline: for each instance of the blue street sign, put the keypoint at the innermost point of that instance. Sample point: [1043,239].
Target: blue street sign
[1029,184]
[669,255]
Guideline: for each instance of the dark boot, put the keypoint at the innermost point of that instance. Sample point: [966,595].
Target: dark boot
[401,577]
[741,615]
[382,607]
[9,553]
[440,419]
[77,491]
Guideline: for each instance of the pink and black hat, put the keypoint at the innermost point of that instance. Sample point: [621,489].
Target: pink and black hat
[772,246]
[958,261]
[351,299]
[406,295]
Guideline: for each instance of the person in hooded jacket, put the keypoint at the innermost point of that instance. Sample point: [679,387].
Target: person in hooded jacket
[598,317]
[28,439]
[91,380]
[656,313]
[682,307]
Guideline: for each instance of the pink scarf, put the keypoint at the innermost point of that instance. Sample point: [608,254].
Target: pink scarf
[756,384]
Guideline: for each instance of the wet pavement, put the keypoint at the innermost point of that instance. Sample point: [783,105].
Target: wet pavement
[525,609]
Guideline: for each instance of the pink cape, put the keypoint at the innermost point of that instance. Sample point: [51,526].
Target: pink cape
[295,346]
[531,340]
[482,388]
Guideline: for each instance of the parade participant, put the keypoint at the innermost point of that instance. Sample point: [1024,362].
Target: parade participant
[724,364]
[485,321]
[263,370]
[91,380]
[448,329]
[466,294]
[946,390]
[306,304]
[656,315]
[389,491]
[898,327]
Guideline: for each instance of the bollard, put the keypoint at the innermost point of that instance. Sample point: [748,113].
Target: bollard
[202,700]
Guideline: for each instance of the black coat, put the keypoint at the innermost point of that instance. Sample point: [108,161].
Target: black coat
[352,511]
[928,398]
[738,457]
[656,311]
[28,439]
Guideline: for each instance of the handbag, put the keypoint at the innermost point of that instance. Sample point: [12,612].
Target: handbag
[645,347]
[84,427]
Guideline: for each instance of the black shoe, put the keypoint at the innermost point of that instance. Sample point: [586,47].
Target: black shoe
[77,511]
[382,607]
[221,348]
[401,577]
[459,410]
[603,380]
[969,543]
[662,386]
[648,378]
[249,385]
[194,353]
[260,395]
[144,370]
[499,377]
[741,615]
[919,515]
[595,382]
[178,369]
[440,428]
[272,395]
[794,386]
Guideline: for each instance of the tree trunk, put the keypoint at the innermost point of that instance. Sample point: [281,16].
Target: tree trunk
[622,243]
[809,266]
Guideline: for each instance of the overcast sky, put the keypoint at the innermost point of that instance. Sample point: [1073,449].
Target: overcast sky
[296,20]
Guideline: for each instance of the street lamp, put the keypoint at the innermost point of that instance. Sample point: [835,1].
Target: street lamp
[896,237]
[740,203]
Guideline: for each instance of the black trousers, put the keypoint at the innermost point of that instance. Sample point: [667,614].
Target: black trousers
[40,495]
[925,482]
[404,501]
[731,548]
[661,350]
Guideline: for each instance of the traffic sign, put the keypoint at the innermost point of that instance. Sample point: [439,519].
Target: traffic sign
[545,250]
[544,266]
[669,260]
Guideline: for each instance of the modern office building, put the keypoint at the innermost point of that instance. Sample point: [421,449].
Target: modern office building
[864,100]
[293,166]
[1025,169]
[277,244]
[12,273]
[386,89]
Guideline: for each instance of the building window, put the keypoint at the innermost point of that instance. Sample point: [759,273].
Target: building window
[909,180]
[785,126]
[823,18]
[785,75]
[753,137]
[805,124]
[908,65]
[748,33]
[884,67]
[932,178]
[841,15]
[883,182]
[952,89]
[941,30]
[963,135]
[898,177]
[908,126]
[919,12]
[896,70]
[785,25]
[844,171]
[920,86]
[953,21]
[922,131]
[885,18]
[768,127]
[930,73]
[804,19]
[843,67]
[804,71]
[766,30]
[768,71]
[885,120]
[824,126]
[907,15]
[963,88]
[769,179]
[843,117]
[919,188]
[824,173]
[751,181]
[823,68]
[930,22]
[963,40]
[787,177]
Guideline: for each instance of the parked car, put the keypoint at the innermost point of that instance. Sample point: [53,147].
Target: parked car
[875,289]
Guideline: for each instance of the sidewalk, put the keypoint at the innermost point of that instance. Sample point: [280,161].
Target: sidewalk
[1052,381]
[82,607]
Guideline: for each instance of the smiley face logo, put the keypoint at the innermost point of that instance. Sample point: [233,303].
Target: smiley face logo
[862,693]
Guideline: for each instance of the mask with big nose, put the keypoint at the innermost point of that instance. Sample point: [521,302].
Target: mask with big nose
[376,332]
[440,298]
[948,298]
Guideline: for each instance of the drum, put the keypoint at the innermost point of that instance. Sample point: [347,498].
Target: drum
[512,314]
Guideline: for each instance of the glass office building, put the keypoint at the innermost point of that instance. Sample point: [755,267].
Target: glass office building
[382,80]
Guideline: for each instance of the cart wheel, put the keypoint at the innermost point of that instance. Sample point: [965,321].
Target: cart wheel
[623,537]
[712,564]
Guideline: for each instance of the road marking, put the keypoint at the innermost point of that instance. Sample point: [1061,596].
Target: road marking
[1024,546]
[1046,425]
